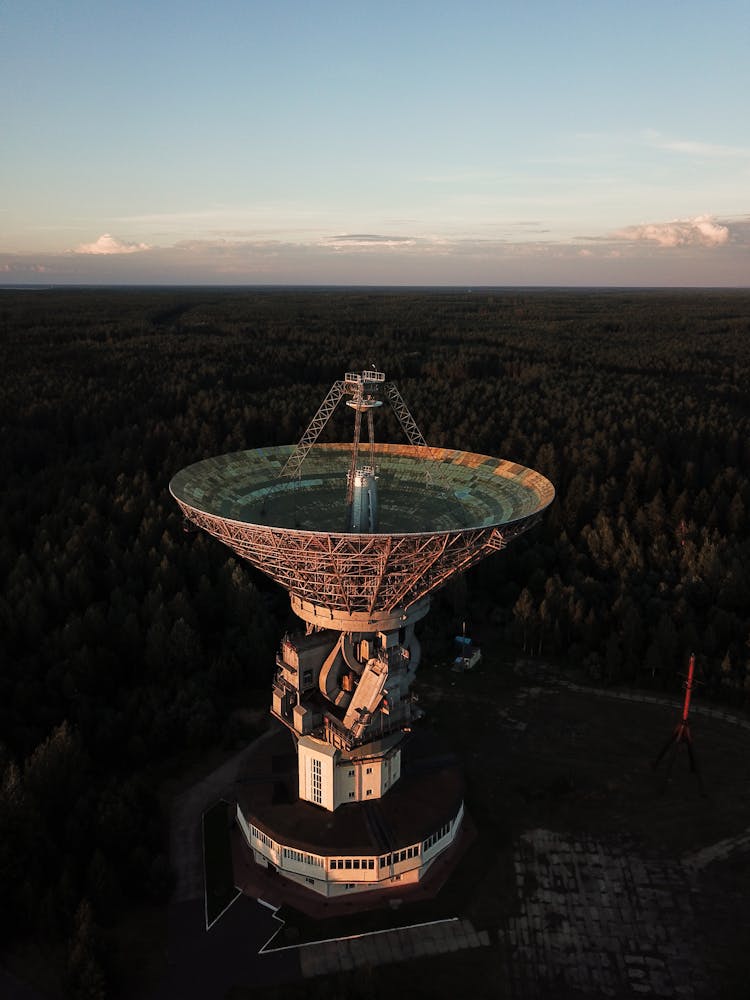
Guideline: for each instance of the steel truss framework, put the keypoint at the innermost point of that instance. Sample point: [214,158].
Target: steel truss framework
[357,573]
[355,385]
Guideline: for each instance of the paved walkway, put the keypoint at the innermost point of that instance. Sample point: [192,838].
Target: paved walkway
[185,831]
[382,947]
[699,860]
[600,919]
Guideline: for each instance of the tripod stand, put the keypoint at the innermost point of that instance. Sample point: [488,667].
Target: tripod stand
[681,733]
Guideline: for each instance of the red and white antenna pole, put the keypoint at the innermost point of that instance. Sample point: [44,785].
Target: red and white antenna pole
[681,732]
[688,690]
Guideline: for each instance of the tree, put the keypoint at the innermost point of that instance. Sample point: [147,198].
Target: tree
[525,616]
[85,977]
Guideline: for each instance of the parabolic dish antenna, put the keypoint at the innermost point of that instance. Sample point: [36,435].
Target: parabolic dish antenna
[440,511]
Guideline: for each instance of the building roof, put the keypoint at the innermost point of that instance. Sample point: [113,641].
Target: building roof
[428,795]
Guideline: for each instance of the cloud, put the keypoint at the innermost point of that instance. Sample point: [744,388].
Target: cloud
[701,231]
[364,241]
[107,244]
[693,147]
[709,251]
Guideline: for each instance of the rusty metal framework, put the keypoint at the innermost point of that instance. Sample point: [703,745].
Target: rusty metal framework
[316,425]
[407,421]
[352,574]
[355,385]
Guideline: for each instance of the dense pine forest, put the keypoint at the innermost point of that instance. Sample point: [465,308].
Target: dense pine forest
[127,645]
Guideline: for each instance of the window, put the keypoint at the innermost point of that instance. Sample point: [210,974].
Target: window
[369,791]
[370,863]
[305,859]
[435,837]
[351,795]
[317,781]
[259,835]
[368,771]
[310,880]
[355,863]
[351,774]
[348,863]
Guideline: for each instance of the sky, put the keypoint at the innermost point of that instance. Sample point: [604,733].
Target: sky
[585,143]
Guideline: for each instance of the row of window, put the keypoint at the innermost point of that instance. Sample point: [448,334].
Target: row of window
[368,770]
[408,852]
[354,863]
[305,859]
[353,885]
[435,837]
[259,835]
[368,864]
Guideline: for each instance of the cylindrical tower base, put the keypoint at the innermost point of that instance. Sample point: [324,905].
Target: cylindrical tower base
[362,622]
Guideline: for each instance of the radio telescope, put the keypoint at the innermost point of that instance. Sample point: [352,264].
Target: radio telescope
[360,534]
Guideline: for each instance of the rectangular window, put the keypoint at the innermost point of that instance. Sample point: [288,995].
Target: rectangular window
[351,795]
[348,863]
[370,863]
[369,791]
[310,880]
[355,863]
[351,774]
[382,862]
[368,771]
[317,781]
